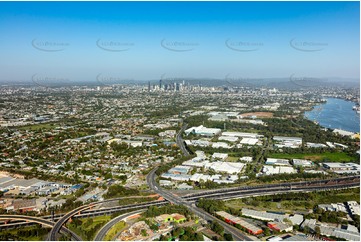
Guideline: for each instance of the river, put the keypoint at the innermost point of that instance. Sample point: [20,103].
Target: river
[336,114]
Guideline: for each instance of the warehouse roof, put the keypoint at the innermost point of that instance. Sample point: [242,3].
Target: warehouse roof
[239,221]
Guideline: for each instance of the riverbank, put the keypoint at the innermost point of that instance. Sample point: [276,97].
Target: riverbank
[336,114]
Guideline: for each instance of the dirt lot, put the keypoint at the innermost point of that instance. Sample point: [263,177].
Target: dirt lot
[258,114]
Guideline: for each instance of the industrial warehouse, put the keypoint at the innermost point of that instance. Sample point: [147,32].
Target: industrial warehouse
[228,218]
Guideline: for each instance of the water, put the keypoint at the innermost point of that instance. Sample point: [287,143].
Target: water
[336,114]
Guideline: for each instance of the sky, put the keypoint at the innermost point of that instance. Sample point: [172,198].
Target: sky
[83,41]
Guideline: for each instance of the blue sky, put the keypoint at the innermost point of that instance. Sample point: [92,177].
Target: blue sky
[143,40]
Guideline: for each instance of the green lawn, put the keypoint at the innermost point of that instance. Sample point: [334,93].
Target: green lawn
[89,227]
[232,159]
[332,157]
[114,230]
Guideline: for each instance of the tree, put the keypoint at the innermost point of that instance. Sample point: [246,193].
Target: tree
[306,229]
[143,232]
[228,237]
[267,232]
[217,228]
[318,230]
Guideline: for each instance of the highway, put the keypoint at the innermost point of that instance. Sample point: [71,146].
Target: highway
[103,231]
[66,217]
[236,234]
[58,225]
[41,221]
[291,186]
[224,194]
[180,141]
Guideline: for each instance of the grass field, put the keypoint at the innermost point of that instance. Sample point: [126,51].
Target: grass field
[298,203]
[114,230]
[89,227]
[331,157]
[232,159]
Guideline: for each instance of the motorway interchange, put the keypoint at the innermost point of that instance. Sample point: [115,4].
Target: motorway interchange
[187,200]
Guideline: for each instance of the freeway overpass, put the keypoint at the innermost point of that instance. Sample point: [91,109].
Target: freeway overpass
[354,181]
[239,192]
[224,194]
[236,234]
[58,225]
[41,221]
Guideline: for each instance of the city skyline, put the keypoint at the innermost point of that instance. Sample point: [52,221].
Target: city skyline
[144,40]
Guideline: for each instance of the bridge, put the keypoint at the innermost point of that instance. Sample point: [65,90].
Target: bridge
[41,221]
[224,194]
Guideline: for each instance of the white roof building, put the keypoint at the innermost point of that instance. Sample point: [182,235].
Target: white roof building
[330,145]
[249,141]
[338,167]
[201,143]
[337,207]
[195,163]
[343,132]
[197,177]
[271,170]
[201,130]
[176,177]
[220,156]
[328,230]
[277,162]
[200,154]
[246,158]
[218,118]
[228,138]
[354,207]
[288,139]
[243,135]
[304,163]
[289,142]
[227,167]
[315,145]
[221,145]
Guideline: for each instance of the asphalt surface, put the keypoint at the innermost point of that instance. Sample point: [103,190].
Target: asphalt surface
[59,224]
[180,141]
[41,221]
[224,194]
[236,234]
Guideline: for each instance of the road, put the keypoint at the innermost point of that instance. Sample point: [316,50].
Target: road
[290,186]
[226,193]
[41,221]
[236,234]
[104,230]
[180,141]
[58,225]
[67,216]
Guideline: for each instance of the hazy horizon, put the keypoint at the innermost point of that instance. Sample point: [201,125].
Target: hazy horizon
[143,41]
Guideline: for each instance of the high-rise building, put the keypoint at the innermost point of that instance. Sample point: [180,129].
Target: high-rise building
[160,84]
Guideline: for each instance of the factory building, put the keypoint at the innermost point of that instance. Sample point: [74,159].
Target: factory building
[201,130]
[251,228]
